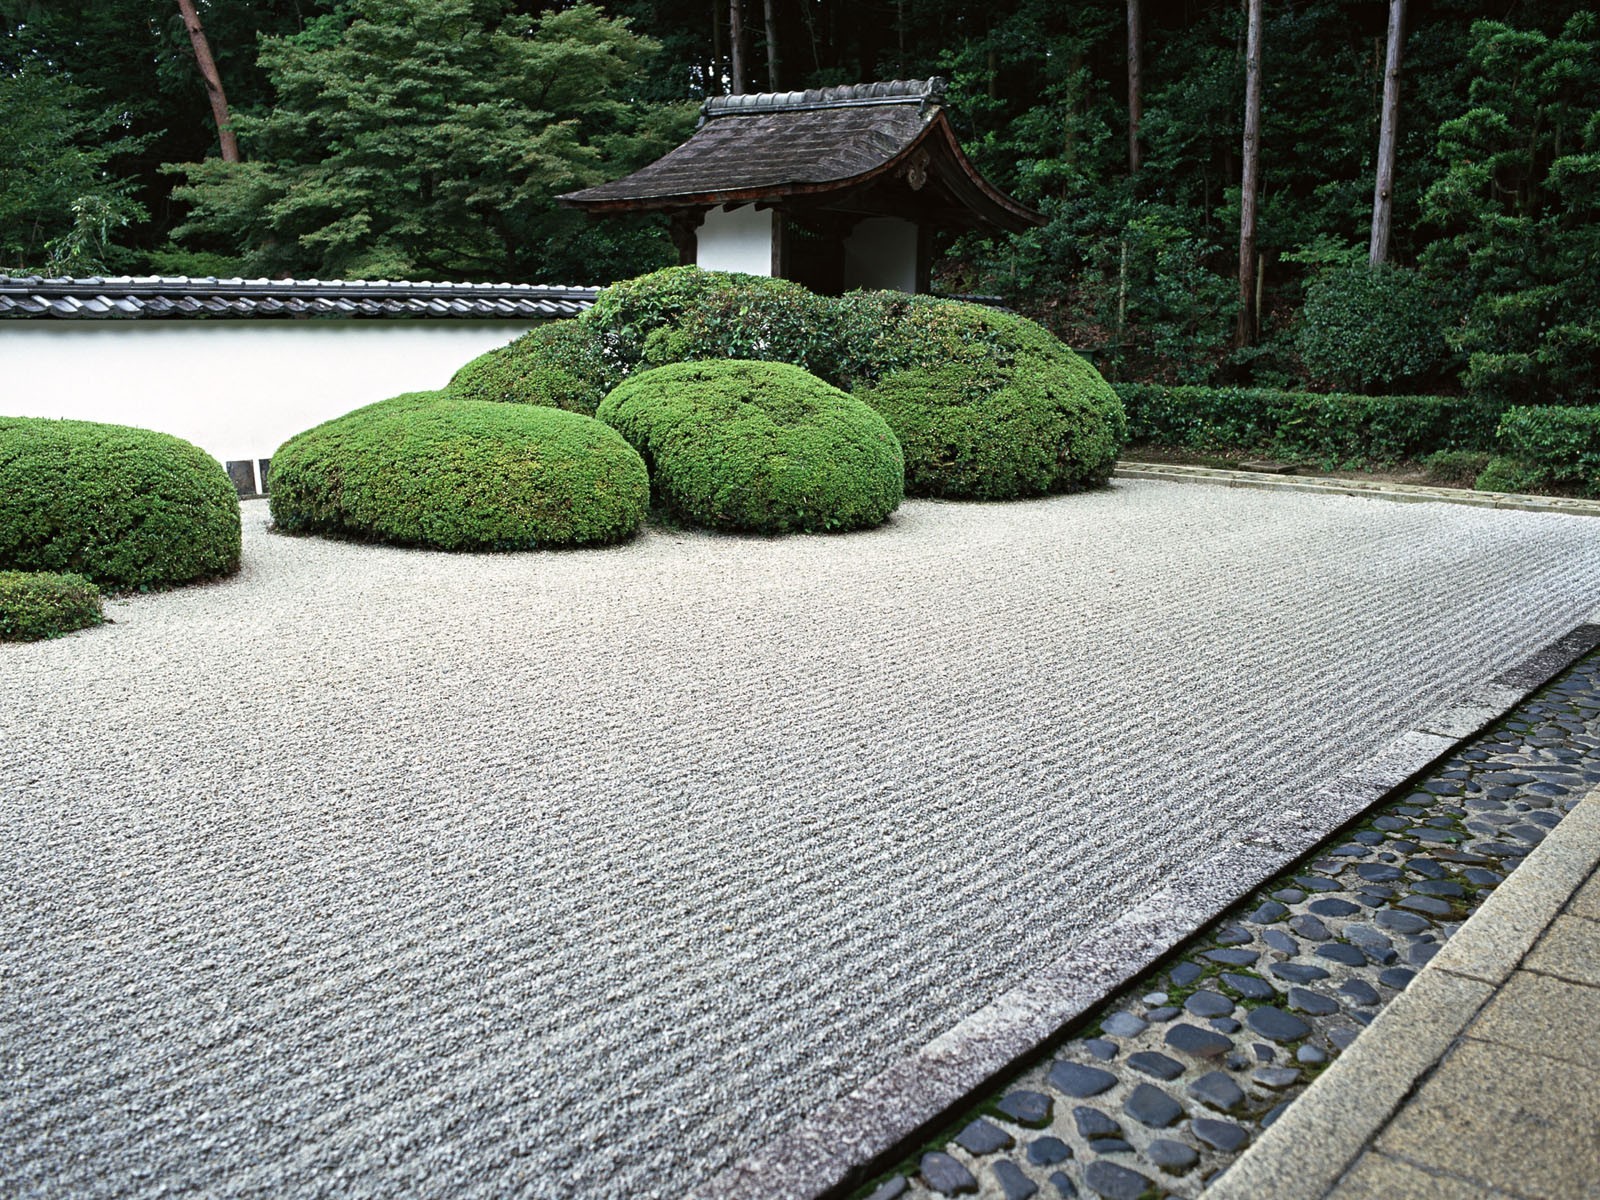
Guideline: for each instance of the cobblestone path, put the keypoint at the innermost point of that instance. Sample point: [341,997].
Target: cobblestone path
[1167,1083]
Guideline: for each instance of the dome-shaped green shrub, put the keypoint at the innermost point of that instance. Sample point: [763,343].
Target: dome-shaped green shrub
[684,314]
[989,406]
[39,604]
[758,446]
[425,469]
[557,365]
[126,507]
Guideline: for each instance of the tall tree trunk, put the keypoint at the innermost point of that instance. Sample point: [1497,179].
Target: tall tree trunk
[1383,190]
[716,47]
[1135,82]
[736,45]
[1250,183]
[768,10]
[213,81]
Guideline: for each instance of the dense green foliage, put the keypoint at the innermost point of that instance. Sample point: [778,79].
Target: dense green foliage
[1330,429]
[559,365]
[682,313]
[427,470]
[38,604]
[1364,329]
[989,406]
[1546,450]
[1520,207]
[430,136]
[128,508]
[760,447]
[59,208]
[1456,468]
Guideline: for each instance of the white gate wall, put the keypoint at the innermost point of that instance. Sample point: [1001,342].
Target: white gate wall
[238,389]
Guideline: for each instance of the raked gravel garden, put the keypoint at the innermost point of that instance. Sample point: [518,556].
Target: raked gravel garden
[583,774]
[366,869]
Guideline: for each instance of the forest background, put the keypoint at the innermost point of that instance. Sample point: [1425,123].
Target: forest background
[428,138]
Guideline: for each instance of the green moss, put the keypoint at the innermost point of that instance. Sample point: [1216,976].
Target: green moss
[557,366]
[429,470]
[761,447]
[38,604]
[127,508]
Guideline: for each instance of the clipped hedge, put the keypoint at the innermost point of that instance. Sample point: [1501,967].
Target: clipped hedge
[989,406]
[128,508]
[761,447]
[1546,450]
[685,314]
[426,469]
[1331,429]
[39,604]
[558,365]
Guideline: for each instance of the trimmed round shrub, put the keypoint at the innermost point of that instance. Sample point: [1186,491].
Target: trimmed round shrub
[128,508]
[684,314]
[757,446]
[38,604]
[426,469]
[557,366]
[989,406]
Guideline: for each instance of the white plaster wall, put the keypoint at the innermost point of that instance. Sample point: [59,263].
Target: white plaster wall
[737,240]
[881,252]
[236,389]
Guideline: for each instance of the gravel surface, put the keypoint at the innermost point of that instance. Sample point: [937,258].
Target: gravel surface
[1315,954]
[374,872]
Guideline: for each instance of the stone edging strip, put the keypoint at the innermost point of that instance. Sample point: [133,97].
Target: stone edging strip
[1401,492]
[844,1142]
[1306,1151]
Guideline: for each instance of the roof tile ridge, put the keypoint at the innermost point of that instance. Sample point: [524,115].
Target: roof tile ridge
[927,91]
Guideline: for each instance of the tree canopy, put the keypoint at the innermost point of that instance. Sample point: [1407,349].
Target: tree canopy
[429,137]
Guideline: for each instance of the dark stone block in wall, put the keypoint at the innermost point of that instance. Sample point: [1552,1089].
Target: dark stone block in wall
[243,473]
[261,474]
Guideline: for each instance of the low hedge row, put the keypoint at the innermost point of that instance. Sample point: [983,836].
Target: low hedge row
[128,508]
[1331,429]
[38,604]
[1546,450]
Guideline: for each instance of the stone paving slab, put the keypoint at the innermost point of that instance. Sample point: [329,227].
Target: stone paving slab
[1506,1118]
[376,872]
[1402,493]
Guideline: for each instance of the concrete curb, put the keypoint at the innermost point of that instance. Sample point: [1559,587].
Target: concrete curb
[1406,493]
[1307,1151]
[847,1141]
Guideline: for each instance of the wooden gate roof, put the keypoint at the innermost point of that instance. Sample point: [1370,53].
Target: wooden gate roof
[825,146]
